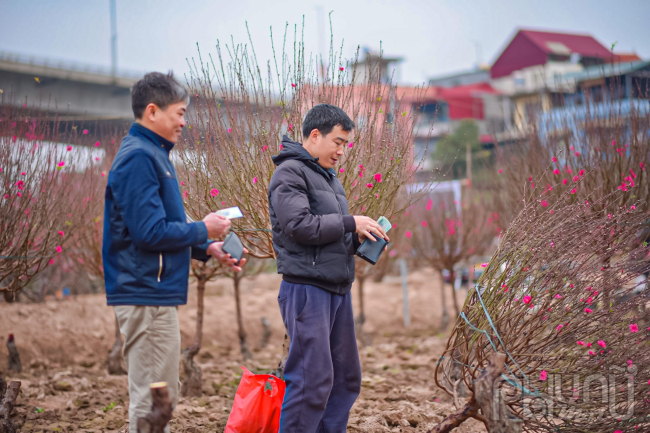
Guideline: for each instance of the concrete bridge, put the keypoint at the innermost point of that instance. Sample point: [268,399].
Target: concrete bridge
[76,92]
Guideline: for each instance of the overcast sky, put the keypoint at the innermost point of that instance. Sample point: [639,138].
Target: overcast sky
[435,37]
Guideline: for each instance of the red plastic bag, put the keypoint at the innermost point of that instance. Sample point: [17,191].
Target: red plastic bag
[257,404]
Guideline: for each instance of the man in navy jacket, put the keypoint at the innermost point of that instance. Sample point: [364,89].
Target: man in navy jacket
[148,242]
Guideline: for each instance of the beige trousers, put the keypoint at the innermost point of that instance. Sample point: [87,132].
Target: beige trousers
[152,347]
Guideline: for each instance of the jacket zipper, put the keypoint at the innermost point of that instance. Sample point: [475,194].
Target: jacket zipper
[313,265]
[160,268]
[347,267]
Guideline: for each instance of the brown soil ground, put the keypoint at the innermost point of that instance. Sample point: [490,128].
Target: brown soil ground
[64,344]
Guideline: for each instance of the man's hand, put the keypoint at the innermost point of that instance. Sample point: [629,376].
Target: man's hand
[367,225]
[215,250]
[217,225]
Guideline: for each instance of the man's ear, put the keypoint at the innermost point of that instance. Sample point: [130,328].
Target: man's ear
[313,136]
[150,112]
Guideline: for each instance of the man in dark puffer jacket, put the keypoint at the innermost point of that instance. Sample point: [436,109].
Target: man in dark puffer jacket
[315,239]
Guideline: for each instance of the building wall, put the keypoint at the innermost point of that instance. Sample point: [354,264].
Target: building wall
[535,78]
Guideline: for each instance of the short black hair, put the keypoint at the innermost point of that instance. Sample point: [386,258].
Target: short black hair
[325,117]
[156,88]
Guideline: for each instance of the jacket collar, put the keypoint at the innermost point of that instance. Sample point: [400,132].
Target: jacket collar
[138,130]
[294,150]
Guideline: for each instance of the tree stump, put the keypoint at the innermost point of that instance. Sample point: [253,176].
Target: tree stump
[161,410]
[7,406]
[493,411]
[115,358]
[13,362]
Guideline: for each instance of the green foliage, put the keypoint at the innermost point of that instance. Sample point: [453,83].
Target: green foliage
[452,149]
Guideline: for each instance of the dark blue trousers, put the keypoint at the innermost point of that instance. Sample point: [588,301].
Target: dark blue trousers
[323,372]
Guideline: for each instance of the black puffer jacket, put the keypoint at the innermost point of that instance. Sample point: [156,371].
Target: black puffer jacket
[313,234]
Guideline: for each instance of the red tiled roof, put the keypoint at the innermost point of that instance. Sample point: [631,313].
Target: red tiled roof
[585,45]
[626,57]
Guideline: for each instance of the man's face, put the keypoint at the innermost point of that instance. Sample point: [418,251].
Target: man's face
[169,122]
[330,148]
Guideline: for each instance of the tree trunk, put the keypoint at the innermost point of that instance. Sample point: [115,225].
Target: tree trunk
[279,372]
[266,332]
[494,413]
[243,345]
[444,321]
[361,318]
[452,277]
[161,410]
[9,296]
[115,366]
[7,406]
[193,378]
[470,278]
[381,268]
[363,337]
